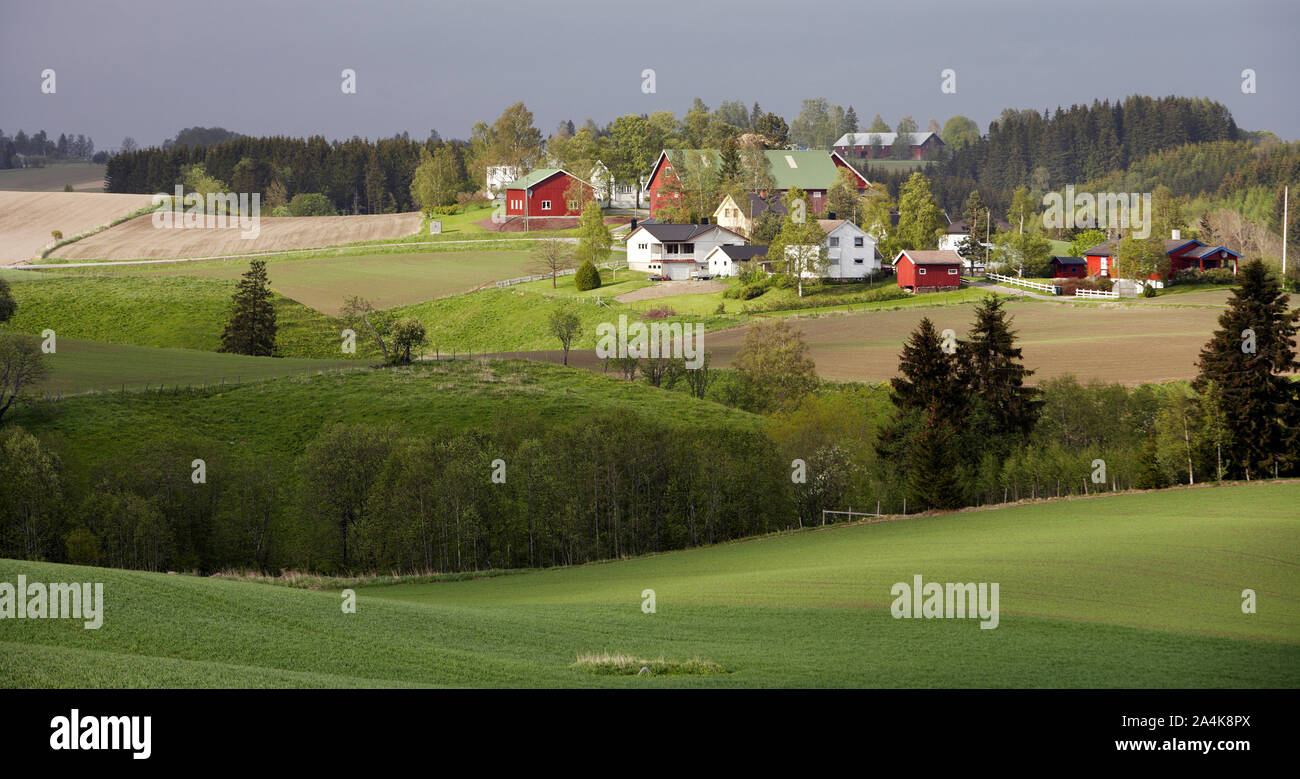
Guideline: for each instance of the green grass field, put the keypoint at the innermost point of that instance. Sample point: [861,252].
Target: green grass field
[280,416]
[1140,590]
[184,312]
[81,366]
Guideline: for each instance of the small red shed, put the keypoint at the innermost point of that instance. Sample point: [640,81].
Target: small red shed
[1069,267]
[928,271]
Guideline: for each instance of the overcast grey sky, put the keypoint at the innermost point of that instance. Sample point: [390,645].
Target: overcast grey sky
[147,69]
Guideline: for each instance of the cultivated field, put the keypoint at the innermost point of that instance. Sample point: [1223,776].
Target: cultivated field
[83,176]
[139,239]
[26,218]
[1124,343]
[1140,590]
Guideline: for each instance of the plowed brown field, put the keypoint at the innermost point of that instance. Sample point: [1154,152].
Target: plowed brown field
[139,239]
[26,218]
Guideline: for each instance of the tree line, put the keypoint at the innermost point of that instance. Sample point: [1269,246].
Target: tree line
[43,147]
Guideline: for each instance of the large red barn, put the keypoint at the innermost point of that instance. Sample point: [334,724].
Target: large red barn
[541,193]
[928,271]
[812,171]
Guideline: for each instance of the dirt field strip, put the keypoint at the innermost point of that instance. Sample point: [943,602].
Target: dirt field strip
[666,289]
[139,239]
[26,218]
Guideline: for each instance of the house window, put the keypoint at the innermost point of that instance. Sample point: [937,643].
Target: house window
[688,248]
[858,261]
[921,271]
[834,243]
[573,205]
[857,242]
[546,205]
[952,271]
[643,246]
[817,194]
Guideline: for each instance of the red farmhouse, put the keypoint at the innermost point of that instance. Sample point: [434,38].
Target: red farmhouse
[1183,253]
[1069,267]
[541,193]
[928,271]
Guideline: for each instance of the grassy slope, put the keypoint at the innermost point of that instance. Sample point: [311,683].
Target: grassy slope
[178,312]
[281,415]
[1128,591]
[80,366]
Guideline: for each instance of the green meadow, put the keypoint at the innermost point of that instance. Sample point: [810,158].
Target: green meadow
[1132,590]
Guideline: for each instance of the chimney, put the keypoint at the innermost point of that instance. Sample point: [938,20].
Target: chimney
[1177,235]
[634,223]
[831,216]
[704,220]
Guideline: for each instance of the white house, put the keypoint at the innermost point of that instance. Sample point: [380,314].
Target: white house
[676,251]
[498,176]
[729,260]
[850,250]
[610,192]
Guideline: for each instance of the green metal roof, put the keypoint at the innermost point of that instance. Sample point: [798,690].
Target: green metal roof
[533,179]
[803,169]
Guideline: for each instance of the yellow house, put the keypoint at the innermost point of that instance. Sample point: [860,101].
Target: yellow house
[730,215]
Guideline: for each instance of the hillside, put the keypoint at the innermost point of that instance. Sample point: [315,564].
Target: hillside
[1139,590]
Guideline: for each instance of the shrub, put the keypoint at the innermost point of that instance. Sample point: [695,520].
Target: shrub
[311,204]
[67,187]
[655,314]
[721,309]
[56,235]
[1103,283]
[1149,291]
[745,291]
[1219,276]
[587,277]
[444,210]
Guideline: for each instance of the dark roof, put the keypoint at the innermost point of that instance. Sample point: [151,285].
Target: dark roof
[670,232]
[1070,260]
[742,253]
[759,206]
[1205,251]
[1106,249]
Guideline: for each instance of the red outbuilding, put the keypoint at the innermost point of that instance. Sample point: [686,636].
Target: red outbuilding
[928,271]
[1069,267]
[1182,253]
[541,193]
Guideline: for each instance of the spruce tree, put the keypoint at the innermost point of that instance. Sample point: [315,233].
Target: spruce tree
[992,371]
[1246,362]
[252,327]
[932,467]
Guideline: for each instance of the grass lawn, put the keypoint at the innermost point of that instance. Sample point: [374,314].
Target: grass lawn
[1139,590]
[183,312]
[80,366]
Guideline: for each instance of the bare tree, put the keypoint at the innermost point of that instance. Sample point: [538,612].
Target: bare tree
[358,311]
[21,365]
[552,257]
[566,326]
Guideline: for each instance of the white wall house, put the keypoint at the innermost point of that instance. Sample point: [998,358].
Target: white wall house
[676,251]
[610,192]
[498,176]
[729,260]
[850,250]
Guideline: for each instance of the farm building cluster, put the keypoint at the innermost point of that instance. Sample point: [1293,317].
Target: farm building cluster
[720,246]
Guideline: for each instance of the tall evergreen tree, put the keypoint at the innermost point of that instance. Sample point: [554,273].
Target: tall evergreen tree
[1247,360]
[252,324]
[992,371]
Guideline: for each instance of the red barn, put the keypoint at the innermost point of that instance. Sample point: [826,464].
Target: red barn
[541,193]
[1183,253]
[928,271]
[1069,267]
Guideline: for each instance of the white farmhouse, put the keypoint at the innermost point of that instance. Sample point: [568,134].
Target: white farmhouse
[498,176]
[676,251]
[729,260]
[850,250]
[609,192]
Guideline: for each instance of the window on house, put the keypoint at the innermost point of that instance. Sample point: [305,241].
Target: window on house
[643,246]
[546,205]
[857,242]
[834,243]
[952,271]
[573,205]
[688,248]
[921,271]
[817,194]
[858,261]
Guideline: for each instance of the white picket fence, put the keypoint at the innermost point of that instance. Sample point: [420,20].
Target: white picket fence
[1048,288]
[1094,293]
